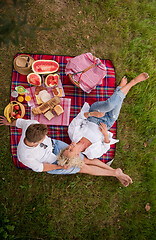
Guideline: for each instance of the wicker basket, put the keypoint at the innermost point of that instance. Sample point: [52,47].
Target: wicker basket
[77,84]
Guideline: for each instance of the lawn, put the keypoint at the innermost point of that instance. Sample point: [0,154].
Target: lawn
[82,207]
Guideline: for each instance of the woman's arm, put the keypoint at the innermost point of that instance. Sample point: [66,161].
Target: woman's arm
[103,129]
[3,121]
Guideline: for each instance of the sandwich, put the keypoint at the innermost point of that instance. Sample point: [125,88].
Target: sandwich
[58,110]
[49,115]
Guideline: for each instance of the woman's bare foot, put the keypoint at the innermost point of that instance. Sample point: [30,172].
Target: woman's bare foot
[141,77]
[123,178]
[123,82]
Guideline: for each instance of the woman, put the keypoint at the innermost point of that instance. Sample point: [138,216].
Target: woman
[88,131]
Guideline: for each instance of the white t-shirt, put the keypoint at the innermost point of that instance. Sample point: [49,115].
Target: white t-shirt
[81,127]
[33,157]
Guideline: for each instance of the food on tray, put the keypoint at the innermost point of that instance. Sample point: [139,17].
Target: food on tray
[38,100]
[53,102]
[57,91]
[38,89]
[58,110]
[44,96]
[49,115]
[43,108]
[36,111]
[34,79]
[45,66]
[14,110]
[52,80]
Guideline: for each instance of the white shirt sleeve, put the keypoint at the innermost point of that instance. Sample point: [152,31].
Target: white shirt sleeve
[75,124]
[33,164]
[97,149]
[22,123]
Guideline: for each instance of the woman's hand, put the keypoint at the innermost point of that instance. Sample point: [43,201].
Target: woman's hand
[3,121]
[94,114]
[103,129]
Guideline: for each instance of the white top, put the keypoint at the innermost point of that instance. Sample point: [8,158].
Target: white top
[33,157]
[81,127]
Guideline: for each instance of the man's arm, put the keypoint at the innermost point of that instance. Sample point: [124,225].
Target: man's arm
[49,167]
[3,121]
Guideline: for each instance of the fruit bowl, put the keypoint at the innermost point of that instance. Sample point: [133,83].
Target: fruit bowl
[14,110]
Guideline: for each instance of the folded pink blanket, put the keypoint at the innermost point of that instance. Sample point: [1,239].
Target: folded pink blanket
[88,80]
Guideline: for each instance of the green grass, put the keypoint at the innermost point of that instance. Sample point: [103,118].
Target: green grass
[41,206]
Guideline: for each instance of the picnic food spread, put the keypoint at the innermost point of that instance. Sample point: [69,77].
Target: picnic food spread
[47,107]
[48,104]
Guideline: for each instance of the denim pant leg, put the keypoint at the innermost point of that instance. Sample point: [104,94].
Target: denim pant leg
[111,107]
[109,104]
[58,146]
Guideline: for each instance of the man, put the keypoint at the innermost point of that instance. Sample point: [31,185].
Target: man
[39,152]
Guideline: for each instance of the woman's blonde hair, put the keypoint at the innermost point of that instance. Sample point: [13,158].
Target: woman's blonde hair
[75,161]
[36,132]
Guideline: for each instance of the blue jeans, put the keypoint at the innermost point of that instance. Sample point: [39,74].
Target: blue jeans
[58,145]
[111,107]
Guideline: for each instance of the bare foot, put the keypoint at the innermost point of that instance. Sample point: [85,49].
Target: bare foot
[123,178]
[141,77]
[123,82]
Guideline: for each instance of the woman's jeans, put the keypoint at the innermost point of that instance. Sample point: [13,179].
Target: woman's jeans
[111,107]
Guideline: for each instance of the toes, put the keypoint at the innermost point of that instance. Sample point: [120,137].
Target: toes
[146,75]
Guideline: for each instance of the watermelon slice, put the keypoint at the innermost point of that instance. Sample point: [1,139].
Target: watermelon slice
[45,66]
[52,80]
[34,79]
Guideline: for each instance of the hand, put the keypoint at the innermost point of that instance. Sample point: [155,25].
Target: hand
[65,167]
[3,121]
[103,128]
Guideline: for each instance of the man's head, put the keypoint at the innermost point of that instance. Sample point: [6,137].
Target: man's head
[36,132]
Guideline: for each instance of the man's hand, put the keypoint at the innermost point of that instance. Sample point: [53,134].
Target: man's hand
[65,167]
[48,167]
[94,114]
[3,121]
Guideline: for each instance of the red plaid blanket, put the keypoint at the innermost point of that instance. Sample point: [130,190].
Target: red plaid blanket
[77,96]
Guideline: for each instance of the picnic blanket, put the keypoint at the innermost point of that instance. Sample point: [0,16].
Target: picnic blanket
[77,96]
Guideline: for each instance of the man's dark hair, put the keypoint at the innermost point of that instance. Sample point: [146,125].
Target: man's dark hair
[36,132]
